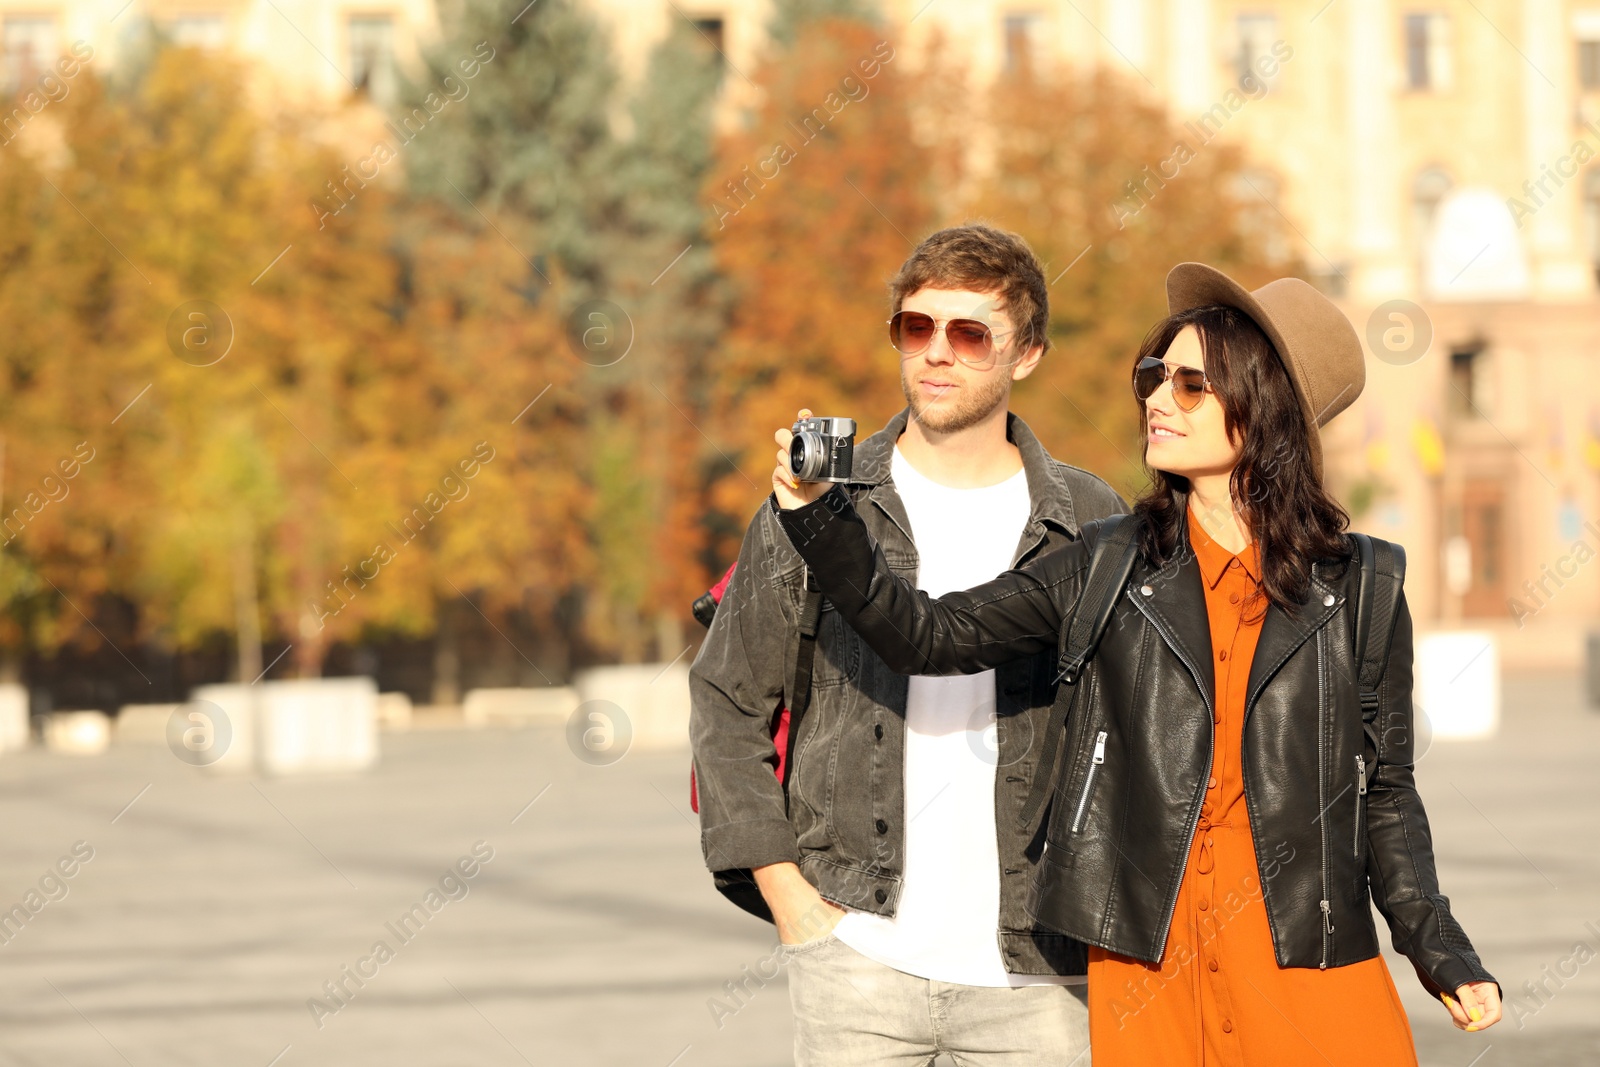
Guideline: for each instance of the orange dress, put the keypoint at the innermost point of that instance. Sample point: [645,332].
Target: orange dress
[1218,998]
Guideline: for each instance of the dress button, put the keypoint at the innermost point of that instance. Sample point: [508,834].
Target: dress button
[1223,654]
[1205,905]
[1212,784]
[883,827]
[1327,601]
[1212,965]
[1227,1026]
[877,731]
[1233,598]
[1209,841]
[1147,591]
[880,896]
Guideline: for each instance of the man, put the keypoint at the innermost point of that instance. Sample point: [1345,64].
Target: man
[893,864]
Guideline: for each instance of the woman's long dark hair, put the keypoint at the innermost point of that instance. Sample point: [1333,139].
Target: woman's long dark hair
[1275,489]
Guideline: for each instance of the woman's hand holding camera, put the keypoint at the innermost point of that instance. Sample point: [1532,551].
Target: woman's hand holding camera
[791,492]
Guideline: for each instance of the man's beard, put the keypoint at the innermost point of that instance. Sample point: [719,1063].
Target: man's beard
[960,408]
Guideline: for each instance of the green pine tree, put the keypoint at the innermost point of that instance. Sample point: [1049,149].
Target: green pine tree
[531,139]
[665,276]
[789,16]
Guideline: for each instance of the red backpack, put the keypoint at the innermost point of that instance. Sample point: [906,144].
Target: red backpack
[785,725]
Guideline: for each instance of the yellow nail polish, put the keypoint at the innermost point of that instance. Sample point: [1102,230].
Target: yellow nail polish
[1476,1013]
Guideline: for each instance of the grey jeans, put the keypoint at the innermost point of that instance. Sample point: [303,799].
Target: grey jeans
[851,1011]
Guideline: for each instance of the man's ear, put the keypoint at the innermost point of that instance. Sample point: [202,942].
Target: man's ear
[1025,366]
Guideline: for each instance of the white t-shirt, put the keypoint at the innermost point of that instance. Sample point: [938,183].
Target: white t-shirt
[946,925]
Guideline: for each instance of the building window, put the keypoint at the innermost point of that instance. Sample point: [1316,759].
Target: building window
[1024,40]
[1468,397]
[1586,32]
[711,31]
[1488,554]
[372,69]
[28,47]
[1591,218]
[199,31]
[1257,33]
[1428,53]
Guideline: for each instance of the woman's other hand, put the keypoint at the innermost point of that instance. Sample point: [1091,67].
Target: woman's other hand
[1475,1006]
[791,493]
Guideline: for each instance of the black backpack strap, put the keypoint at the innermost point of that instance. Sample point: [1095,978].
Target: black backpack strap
[799,694]
[1383,572]
[1110,564]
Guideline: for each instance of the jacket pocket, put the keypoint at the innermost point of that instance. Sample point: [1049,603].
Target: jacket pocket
[1361,808]
[1095,761]
[837,659]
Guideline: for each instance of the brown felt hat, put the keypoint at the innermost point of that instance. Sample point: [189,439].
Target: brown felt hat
[1316,342]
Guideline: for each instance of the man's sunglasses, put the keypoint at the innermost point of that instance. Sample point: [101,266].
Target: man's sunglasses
[971,340]
[1189,384]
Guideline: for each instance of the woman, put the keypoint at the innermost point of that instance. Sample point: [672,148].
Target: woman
[1222,821]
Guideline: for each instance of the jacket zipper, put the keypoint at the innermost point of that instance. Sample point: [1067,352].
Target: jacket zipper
[1088,781]
[1322,788]
[1361,791]
[1211,754]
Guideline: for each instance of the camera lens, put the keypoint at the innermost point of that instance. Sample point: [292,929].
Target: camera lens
[805,455]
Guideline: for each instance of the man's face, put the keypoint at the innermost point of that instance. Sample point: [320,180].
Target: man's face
[946,394]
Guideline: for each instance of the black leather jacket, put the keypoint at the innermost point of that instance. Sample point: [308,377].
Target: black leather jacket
[1119,832]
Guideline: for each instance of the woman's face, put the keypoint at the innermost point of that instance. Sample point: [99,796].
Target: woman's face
[1190,444]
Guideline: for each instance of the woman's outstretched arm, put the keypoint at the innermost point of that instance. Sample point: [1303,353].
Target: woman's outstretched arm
[1018,614]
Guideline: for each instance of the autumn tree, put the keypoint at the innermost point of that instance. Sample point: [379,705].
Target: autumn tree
[264,332]
[623,266]
[650,408]
[1112,192]
[815,203]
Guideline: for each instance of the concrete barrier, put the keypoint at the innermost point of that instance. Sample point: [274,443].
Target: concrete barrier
[1458,682]
[317,724]
[518,707]
[78,733]
[654,698]
[142,723]
[394,711]
[14,732]
[223,716]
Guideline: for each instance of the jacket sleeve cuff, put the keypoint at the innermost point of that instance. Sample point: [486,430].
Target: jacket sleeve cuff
[1451,976]
[749,844]
[804,524]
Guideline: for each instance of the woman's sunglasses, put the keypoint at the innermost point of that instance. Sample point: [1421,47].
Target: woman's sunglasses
[970,339]
[1189,384]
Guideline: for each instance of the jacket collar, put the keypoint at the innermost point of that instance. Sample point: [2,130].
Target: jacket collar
[1050,497]
[1177,605]
[1214,559]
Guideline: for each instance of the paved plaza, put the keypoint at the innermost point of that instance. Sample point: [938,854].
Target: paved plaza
[215,920]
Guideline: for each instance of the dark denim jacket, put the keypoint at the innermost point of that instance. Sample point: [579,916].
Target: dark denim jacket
[845,817]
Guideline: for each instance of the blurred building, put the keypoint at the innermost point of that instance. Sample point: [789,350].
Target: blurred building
[1435,159]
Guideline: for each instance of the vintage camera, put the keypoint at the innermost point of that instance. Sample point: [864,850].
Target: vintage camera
[822,449]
